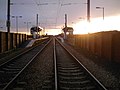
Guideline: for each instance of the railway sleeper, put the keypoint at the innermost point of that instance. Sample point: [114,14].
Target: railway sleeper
[82,88]
[6,75]
[2,85]
[18,89]
[79,77]
[47,87]
[19,85]
[1,71]
[70,68]
[11,69]
[77,82]
[73,79]
[82,84]
[11,64]
[12,72]
[71,74]
[48,84]
[66,65]
[70,71]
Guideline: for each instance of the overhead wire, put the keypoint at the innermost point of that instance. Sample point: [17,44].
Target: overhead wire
[58,11]
[40,10]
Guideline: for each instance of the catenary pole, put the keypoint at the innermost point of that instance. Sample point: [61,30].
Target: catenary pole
[88,10]
[8,17]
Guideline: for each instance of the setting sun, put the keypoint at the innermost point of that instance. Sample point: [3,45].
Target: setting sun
[52,31]
[97,24]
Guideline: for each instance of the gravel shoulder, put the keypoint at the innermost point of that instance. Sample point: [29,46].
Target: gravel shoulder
[107,72]
[40,71]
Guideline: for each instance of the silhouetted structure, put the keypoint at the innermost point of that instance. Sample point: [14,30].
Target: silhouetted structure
[67,29]
[34,31]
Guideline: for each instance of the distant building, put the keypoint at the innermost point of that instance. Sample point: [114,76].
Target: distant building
[68,30]
[34,31]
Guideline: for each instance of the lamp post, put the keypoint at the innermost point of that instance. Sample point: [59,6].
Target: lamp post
[16,17]
[102,9]
[27,23]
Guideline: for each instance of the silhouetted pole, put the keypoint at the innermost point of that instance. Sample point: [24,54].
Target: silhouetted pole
[27,23]
[8,17]
[65,20]
[37,23]
[88,10]
[16,17]
[103,11]
[65,29]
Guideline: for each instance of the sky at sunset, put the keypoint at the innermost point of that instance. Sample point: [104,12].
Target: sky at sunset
[51,15]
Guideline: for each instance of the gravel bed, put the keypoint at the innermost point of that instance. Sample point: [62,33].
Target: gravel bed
[14,50]
[39,71]
[104,71]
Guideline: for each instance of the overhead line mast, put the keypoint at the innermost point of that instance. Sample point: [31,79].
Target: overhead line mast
[8,17]
[37,23]
[88,10]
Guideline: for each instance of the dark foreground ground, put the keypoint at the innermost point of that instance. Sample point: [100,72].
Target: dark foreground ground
[108,72]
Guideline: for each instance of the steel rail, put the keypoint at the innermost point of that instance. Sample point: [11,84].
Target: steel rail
[12,81]
[55,66]
[83,66]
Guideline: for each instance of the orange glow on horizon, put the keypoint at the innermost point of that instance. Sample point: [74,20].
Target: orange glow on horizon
[52,31]
[97,25]
[83,27]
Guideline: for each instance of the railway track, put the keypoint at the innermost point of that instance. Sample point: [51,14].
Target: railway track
[10,70]
[70,73]
[67,74]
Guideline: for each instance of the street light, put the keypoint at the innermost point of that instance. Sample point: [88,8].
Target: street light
[16,17]
[102,9]
[27,23]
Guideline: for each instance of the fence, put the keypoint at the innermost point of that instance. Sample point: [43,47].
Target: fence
[10,41]
[104,44]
